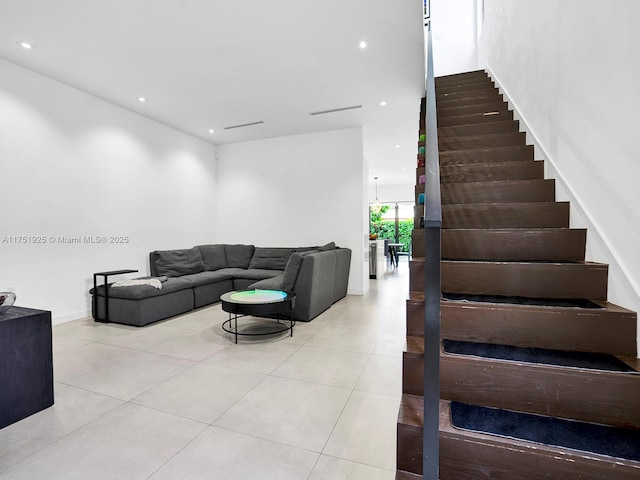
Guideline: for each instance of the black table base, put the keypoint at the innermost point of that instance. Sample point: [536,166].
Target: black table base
[231,326]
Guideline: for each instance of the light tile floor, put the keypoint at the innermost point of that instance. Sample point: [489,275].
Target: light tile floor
[179,400]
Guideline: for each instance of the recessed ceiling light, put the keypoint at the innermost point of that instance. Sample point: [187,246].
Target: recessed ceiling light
[142,99]
[211,130]
[25,45]
[382,103]
[397,146]
[363,44]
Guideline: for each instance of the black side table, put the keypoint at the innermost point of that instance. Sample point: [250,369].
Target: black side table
[104,276]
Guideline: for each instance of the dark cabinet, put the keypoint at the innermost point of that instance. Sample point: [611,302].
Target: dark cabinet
[26,363]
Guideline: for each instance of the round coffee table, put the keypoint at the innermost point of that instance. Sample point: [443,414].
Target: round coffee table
[258,303]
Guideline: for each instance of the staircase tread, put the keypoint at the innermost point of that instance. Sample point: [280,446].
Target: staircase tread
[520,262]
[412,413]
[537,356]
[418,297]
[584,304]
[585,437]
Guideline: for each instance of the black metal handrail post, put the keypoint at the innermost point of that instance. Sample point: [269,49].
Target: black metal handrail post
[432,232]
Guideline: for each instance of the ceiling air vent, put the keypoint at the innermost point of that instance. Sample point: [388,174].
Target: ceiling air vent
[243,125]
[322,112]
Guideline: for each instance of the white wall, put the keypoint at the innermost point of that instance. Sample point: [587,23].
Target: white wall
[392,192]
[73,165]
[572,69]
[296,191]
[454,34]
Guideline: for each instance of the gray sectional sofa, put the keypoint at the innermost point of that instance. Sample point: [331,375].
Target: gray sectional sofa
[197,277]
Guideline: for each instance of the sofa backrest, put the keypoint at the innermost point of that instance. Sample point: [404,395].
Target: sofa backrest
[275,258]
[175,263]
[213,256]
[238,256]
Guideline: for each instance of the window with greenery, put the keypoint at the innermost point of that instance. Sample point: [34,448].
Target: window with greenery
[385,227]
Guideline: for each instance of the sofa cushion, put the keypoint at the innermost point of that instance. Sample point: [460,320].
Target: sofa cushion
[293,268]
[257,274]
[270,258]
[213,257]
[137,292]
[175,263]
[273,283]
[206,278]
[238,256]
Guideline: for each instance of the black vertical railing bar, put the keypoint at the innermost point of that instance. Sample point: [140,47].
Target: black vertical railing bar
[432,232]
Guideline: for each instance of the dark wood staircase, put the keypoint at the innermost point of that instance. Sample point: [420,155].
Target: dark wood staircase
[526,328]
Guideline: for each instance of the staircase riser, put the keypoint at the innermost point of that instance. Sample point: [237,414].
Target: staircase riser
[531,280]
[460,78]
[475,119]
[478,129]
[508,215]
[559,245]
[598,331]
[500,140]
[465,87]
[481,108]
[470,459]
[499,192]
[481,97]
[486,156]
[611,330]
[468,455]
[492,172]
[557,392]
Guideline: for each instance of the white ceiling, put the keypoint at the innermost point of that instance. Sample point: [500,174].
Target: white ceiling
[205,64]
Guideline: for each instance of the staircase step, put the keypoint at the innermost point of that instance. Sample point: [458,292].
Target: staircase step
[489,172]
[608,329]
[466,455]
[503,215]
[580,280]
[464,87]
[538,280]
[546,245]
[484,108]
[482,97]
[487,155]
[482,141]
[572,385]
[459,78]
[409,434]
[489,94]
[503,191]
[584,393]
[508,126]
[507,215]
[475,118]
